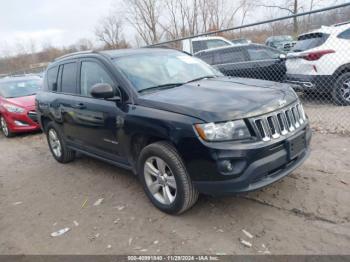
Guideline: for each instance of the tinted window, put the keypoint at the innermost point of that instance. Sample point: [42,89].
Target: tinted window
[52,78]
[229,56]
[262,54]
[309,41]
[69,73]
[345,34]
[92,73]
[208,58]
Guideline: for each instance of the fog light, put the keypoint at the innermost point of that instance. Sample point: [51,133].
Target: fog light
[226,166]
[19,123]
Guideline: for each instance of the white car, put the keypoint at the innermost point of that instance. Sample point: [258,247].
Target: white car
[320,62]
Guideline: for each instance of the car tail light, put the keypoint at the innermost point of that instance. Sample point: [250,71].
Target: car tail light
[312,56]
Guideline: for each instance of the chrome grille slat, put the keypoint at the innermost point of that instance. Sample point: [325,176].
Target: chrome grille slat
[280,123]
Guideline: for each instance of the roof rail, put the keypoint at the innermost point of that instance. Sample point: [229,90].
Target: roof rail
[75,53]
[340,24]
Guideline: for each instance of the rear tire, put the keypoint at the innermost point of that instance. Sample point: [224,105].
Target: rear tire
[5,129]
[341,90]
[165,179]
[57,144]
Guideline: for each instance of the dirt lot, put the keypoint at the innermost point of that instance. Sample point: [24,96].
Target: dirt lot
[305,213]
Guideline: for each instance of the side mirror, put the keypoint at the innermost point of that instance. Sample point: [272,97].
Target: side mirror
[283,57]
[103,90]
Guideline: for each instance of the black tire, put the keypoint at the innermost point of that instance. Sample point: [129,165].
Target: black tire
[186,194]
[340,97]
[67,155]
[4,128]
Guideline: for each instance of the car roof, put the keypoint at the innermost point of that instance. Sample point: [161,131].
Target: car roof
[134,51]
[329,29]
[18,78]
[114,53]
[229,47]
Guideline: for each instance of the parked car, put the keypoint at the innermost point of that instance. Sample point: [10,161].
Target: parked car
[173,120]
[240,41]
[250,61]
[198,44]
[281,42]
[17,104]
[320,62]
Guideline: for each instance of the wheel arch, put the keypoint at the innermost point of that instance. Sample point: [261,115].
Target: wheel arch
[341,70]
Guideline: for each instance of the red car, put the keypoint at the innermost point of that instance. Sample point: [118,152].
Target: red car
[17,104]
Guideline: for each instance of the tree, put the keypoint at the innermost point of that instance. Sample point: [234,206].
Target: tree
[144,17]
[109,31]
[292,7]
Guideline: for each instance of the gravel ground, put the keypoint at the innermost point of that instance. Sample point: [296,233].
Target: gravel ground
[308,212]
[326,117]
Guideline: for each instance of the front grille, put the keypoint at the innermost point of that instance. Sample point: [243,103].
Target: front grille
[33,116]
[279,123]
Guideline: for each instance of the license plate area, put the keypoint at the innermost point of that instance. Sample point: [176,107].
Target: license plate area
[296,145]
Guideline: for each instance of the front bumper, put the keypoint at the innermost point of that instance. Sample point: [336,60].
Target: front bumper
[264,166]
[317,83]
[24,122]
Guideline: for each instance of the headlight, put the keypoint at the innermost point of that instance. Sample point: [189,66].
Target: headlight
[13,109]
[232,130]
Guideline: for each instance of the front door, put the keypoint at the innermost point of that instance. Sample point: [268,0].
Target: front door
[99,122]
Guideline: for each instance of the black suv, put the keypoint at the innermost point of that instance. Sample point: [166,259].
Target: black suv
[250,61]
[173,120]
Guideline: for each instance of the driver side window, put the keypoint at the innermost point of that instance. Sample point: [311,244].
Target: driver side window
[91,74]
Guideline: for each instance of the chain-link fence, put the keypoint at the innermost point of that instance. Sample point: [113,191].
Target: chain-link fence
[309,51]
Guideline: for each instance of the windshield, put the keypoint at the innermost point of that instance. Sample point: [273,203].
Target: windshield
[310,41]
[282,38]
[145,71]
[19,88]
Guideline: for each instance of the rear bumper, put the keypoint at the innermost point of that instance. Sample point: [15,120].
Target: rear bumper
[261,172]
[317,83]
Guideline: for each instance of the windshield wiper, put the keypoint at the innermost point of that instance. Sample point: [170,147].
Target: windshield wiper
[160,87]
[201,78]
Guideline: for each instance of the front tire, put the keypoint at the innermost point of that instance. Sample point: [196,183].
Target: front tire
[165,179]
[341,90]
[57,144]
[4,128]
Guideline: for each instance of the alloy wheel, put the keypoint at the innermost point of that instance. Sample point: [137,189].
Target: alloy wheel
[345,90]
[4,127]
[55,143]
[160,180]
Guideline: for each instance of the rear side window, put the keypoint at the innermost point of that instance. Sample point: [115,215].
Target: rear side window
[226,56]
[69,78]
[52,78]
[309,41]
[345,34]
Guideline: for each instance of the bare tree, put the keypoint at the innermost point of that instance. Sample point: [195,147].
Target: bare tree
[109,31]
[144,17]
[292,7]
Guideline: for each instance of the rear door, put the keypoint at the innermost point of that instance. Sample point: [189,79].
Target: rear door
[66,99]
[266,63]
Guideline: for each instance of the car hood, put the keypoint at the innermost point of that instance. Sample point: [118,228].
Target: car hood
[222,99]
[25,101]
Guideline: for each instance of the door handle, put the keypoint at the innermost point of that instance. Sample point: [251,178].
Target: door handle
[79,106]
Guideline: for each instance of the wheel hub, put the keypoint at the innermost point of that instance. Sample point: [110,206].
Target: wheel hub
[160,180]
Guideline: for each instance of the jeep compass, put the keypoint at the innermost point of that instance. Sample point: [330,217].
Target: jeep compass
[174,121]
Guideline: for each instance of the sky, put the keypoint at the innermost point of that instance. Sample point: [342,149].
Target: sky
[55,22]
